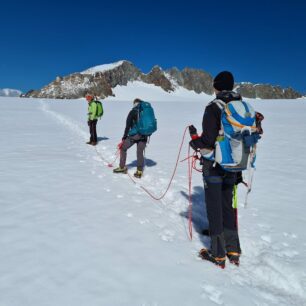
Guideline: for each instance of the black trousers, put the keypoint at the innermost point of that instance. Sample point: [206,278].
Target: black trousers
[93,130]
[219,185]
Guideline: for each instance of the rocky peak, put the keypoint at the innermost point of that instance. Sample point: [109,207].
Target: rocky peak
[265,91]
[157,77]
[192,79]
[100,80]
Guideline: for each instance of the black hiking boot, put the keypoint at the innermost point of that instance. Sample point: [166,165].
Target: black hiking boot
[138,174]
[233,257]
[120,170]
[206,255]
[89,142]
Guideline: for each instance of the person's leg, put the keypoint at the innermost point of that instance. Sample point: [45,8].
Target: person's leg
[213,198]
[141,145]
[94,131]
[127,143]
[90,124]
[229,218]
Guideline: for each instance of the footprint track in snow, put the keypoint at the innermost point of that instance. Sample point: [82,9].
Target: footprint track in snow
[212,293]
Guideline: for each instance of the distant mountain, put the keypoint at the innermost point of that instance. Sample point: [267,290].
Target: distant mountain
[101,80]
[6,92]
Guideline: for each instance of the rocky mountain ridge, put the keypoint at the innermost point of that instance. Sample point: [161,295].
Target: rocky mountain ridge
[101,80]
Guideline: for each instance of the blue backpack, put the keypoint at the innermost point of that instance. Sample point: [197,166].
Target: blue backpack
[146,124]
[236,144]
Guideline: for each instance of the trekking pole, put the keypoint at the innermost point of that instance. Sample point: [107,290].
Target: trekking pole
[249,185]
[251,170]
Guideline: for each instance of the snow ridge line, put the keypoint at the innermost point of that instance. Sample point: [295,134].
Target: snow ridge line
[68,122]
[63,120]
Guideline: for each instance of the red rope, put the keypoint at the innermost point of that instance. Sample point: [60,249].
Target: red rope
[108,163]
[173,174]
[190,166]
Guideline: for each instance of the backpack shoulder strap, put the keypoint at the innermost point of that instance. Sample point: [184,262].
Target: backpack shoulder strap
[219,103]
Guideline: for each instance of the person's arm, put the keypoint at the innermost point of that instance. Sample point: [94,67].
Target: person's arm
[131,118]
[210,126]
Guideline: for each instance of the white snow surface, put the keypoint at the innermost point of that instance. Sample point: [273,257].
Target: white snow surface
[74,233]
[102,68]
[143,90]
[8,92]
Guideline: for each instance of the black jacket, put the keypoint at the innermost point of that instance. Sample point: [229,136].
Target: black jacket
[130,121]
[211,123]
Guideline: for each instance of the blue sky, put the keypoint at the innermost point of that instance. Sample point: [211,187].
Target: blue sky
[259,41]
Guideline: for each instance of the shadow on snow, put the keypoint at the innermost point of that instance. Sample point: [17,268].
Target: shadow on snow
[148,163]
[199,214]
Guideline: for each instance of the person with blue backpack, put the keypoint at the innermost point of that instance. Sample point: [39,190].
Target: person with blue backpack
[140,124]
[227,146]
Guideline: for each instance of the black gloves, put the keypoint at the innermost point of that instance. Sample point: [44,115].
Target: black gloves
[193,132]
[196,142]
[193,145]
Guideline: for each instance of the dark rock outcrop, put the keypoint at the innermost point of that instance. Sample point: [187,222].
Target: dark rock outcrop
[157,77]
[266,91]
[192,79]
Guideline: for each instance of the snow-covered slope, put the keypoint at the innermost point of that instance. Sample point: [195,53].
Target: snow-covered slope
[138,89]
[7,92]
[73,233]
[102,68]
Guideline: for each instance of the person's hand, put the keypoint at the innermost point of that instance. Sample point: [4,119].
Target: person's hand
[193,132]
[119,146]
[88,122]
[193,144]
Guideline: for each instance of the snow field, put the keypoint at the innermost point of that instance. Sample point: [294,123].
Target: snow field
[73,233]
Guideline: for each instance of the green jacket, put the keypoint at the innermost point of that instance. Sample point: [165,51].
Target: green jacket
[92,110]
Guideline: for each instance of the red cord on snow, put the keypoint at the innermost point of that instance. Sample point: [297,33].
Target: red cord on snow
[110,165]
[190,195]
[173,174]
[191,165]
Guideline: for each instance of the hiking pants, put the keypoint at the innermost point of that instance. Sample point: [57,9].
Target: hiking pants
[141,142]
[93,130]
[219,185]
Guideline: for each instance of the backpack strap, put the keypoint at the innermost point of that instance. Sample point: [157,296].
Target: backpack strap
[94,101]
[221,104]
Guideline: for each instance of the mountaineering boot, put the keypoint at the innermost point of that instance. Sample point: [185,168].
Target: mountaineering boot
[206,255]
[89,142]
[120,170]
[93,143]
[138,174]
[233,258]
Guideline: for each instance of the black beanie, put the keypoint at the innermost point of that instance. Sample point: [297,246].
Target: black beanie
[224,81]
